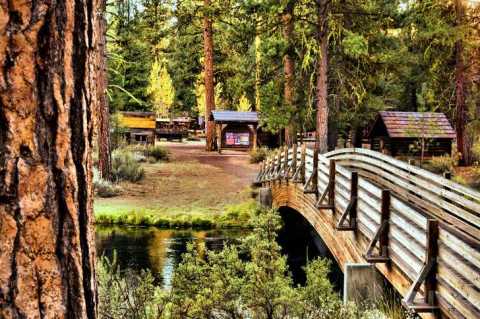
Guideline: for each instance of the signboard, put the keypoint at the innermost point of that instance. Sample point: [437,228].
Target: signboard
[237,139]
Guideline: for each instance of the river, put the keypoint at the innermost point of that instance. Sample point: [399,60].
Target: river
[157,249]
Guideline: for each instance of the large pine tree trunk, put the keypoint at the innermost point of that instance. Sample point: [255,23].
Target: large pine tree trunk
[460,107]
[289,70]
[47,102]
[104,158]
[209,86]
[321,140]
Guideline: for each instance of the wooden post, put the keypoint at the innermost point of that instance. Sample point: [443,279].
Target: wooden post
[303,158]
[314,180]
[254,146]
[351,210]
[218,128]
[385,220]
[354,199]
[432,252]
[278,170]
[294,158]
[331,190]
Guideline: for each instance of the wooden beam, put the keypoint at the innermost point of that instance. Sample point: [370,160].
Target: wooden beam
[299,176]
[286,167]
[329,190]
[293,167]
[428,275]
[381,236]
[351,210]
[311,186]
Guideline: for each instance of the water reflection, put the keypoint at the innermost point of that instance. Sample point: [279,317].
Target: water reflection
[156,249]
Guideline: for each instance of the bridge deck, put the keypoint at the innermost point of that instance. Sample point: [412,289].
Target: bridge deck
[421,230]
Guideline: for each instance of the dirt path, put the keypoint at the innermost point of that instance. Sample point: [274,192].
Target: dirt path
[192,181]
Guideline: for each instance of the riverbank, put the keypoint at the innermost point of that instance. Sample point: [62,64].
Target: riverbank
[193,189]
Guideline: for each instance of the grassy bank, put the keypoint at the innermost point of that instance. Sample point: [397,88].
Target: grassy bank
[233,216]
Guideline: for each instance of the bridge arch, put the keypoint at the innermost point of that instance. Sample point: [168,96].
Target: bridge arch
[301,243]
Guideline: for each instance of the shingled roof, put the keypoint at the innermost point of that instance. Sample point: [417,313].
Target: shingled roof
[235,117]
[415,125]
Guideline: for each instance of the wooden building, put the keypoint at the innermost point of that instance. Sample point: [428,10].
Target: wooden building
[235,130]
[176,128]
[412,134]
[139,127]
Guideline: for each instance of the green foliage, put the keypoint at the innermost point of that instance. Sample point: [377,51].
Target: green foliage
[160,89]
[441,164]
[258,155]
[244,280]
[128,294]
[159,153]
[104,188]
[125,167]
[234,216]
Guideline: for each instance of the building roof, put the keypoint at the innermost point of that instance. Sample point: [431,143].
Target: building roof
[139,120]
[235,117]
[138,114]
[415,125]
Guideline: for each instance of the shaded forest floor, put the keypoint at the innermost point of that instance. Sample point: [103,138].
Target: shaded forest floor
[191,182]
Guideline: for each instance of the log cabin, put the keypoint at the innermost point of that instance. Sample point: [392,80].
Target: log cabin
[412,134]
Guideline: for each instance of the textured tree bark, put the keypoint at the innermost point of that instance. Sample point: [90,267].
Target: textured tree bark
[321,138]
[104,158]
[289,70]
[209,87]
[47,101]
[460,107]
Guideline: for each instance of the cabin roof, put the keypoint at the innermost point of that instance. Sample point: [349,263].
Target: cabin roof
[138,114]
[138,120]
[235,117]
[414,125]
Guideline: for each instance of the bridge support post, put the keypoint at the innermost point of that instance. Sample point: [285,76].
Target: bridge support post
[330,190]
[351,210]
[362,283]
[293,167]
[265,197]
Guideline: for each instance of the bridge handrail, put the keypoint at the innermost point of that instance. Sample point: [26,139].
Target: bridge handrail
[437,195]
[410,168]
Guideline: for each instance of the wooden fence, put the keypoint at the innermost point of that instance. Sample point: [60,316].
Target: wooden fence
[423,224]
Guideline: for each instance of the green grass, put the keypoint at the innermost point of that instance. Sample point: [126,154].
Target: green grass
[233,216]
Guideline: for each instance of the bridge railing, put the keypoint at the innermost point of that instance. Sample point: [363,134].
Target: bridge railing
[424,225]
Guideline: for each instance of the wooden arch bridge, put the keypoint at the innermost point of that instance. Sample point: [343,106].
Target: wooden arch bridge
[421,231]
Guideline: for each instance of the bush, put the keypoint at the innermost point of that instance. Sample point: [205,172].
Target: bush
[125,167]
[128,293]
[157,152]
[258,155]
[441,164]
[104,188]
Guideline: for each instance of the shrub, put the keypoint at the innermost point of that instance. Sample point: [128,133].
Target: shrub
[125,167]
[440,164]
[128,293]
[159,153]
[104,188]
[258,155]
